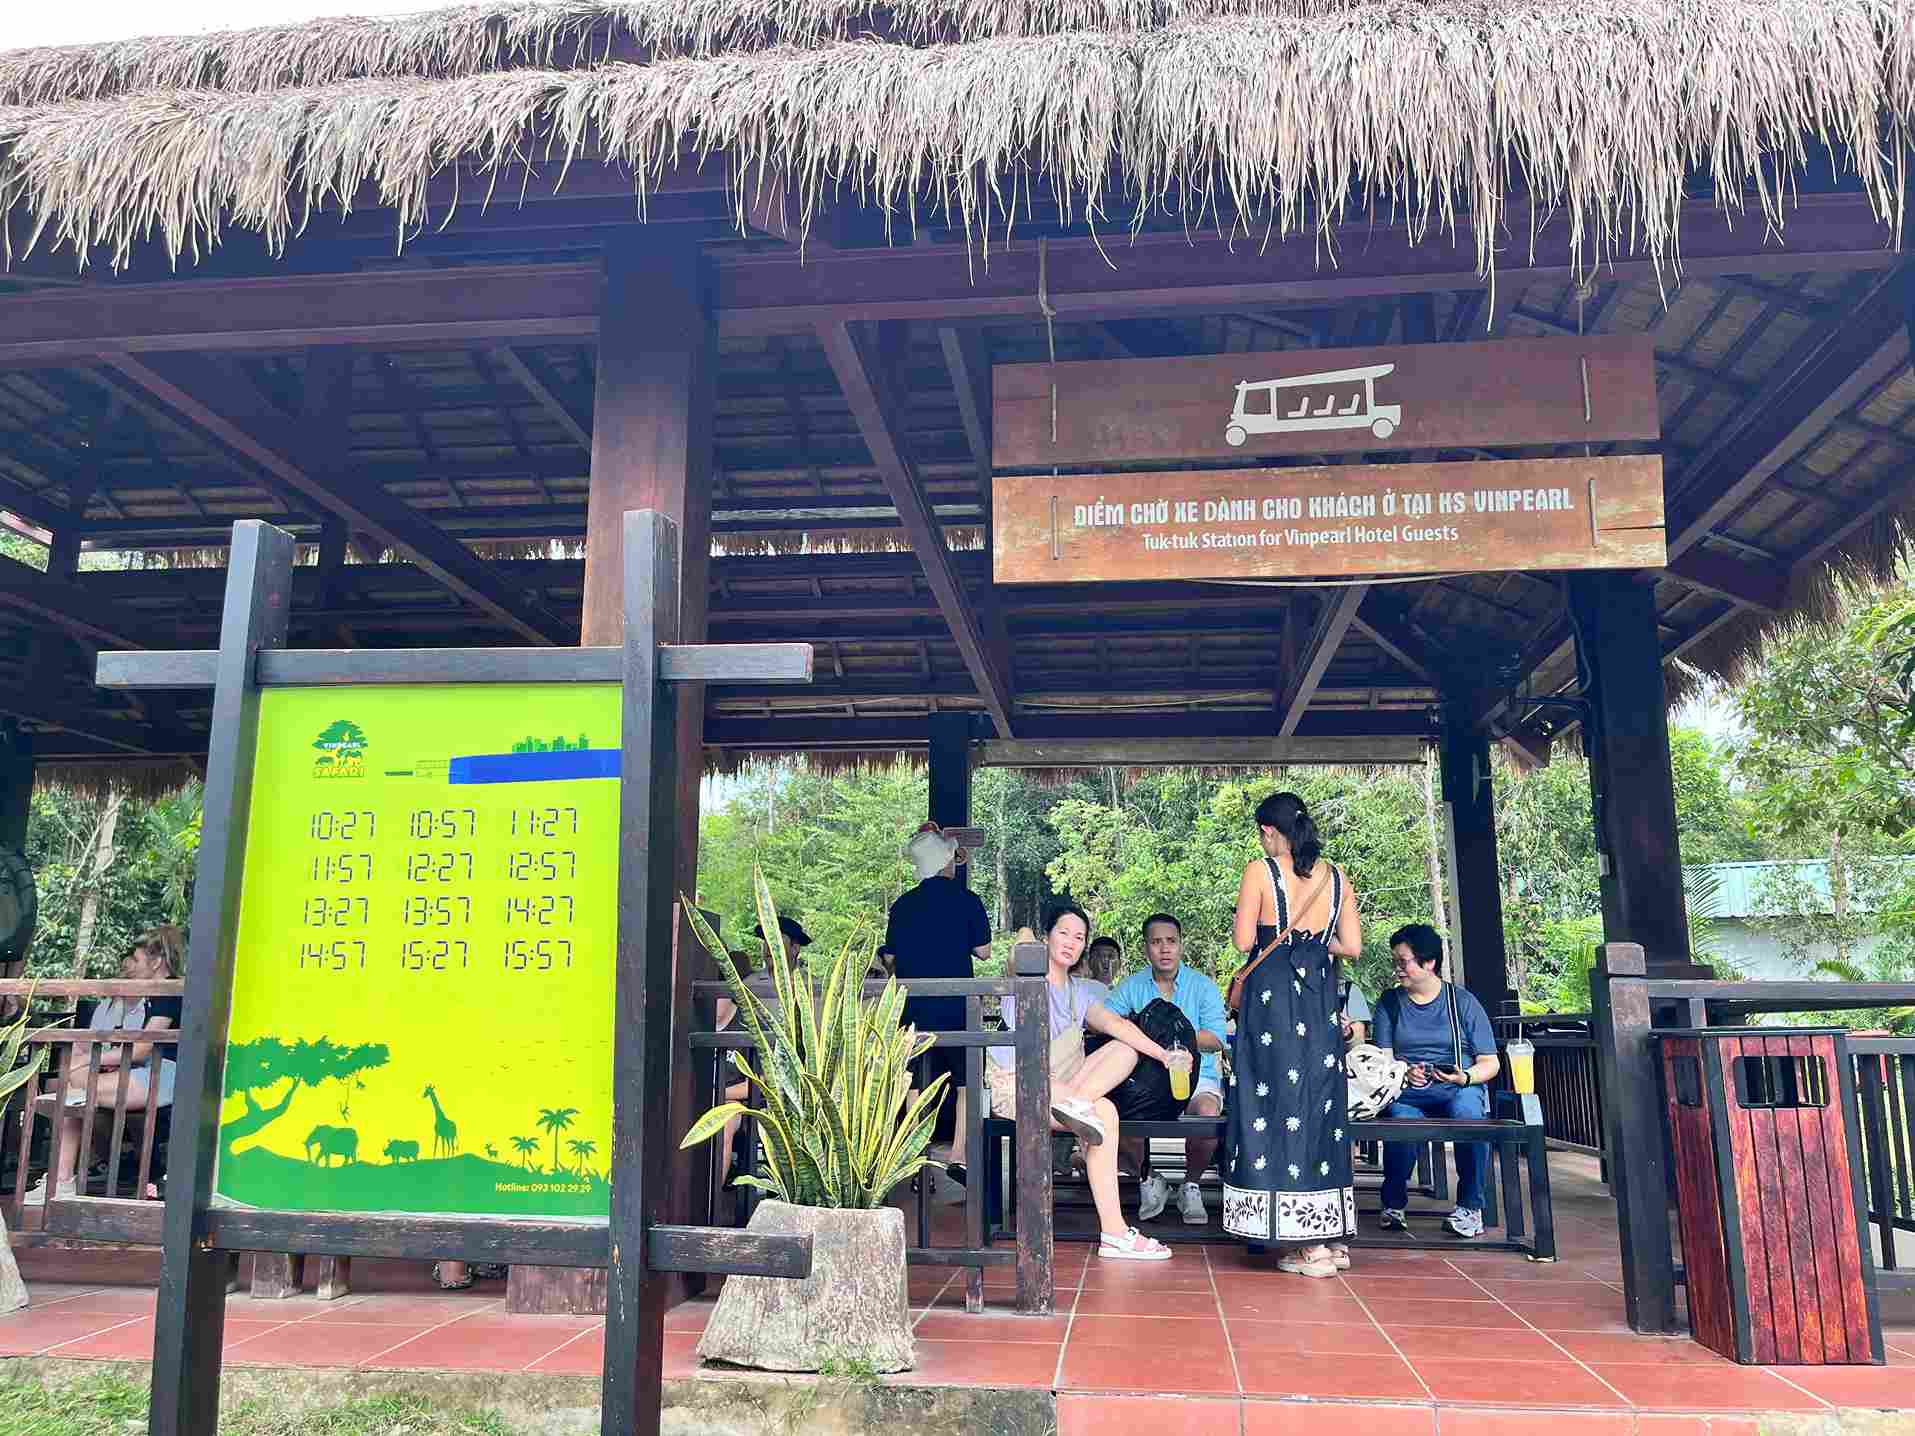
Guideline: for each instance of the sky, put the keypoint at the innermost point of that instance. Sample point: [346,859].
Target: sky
[23,24]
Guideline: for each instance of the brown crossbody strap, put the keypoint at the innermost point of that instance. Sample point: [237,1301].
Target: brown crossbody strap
[1233,1000]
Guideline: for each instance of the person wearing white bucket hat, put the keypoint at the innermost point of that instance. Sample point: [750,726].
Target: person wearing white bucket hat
[937,930]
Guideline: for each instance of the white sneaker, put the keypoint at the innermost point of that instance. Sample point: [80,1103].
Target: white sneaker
[1191,1204]
[1076,1115]
[1153,1195]
[1464,1222]
[37,1194]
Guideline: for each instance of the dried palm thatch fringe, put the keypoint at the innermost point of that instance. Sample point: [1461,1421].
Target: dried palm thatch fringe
[959,538]
[1268,119]
[730,762]
[142,778]
[563,34]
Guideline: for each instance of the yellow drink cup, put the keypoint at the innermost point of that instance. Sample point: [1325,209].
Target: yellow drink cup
[1522,1067]
[1180,1073]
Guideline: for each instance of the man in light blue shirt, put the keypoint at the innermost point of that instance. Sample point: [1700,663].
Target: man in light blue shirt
[1199,999]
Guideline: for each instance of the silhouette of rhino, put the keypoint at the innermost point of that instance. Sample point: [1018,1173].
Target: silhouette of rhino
[398,1151]
[341,1142]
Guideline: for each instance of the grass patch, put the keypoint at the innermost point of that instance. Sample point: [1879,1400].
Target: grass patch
[111,1405]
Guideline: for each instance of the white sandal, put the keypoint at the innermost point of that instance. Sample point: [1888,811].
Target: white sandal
[1133,1245]
[1297,1263]
[1074,1114]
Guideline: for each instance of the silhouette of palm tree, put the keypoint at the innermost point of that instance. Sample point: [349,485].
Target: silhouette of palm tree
[556,1120]
[525,1146]
[582,1149]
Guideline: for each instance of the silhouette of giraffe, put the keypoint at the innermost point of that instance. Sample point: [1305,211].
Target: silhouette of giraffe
[445,1131]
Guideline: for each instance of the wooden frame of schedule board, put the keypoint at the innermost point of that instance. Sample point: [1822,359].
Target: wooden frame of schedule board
[435,894]
[1320,522]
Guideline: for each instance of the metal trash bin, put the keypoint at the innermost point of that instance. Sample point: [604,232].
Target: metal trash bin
[1765,1150]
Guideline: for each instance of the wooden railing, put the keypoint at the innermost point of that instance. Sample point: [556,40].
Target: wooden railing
[1032,1256]
[1885,1093]
[1568,1077]
[36,1110]
[1629,1008]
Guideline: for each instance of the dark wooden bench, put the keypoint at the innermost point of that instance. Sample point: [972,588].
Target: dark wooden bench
[1513,1143]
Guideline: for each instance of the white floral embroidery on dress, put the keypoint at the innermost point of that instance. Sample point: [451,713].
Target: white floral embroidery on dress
[1295,986]
[1293,1075]
[1294,1172]
[1329,1059]
[1260,1164]
[1259,1124]
[1323,1169]
[1302,1031]
[1326,1104]
[1266,995]
[1291,1124]
[1265,1039]
[1233,1079]
[1337,1136]
[1263,1089]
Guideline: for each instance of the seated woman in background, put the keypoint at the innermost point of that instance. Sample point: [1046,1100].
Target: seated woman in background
[155,955]
[1078,1085]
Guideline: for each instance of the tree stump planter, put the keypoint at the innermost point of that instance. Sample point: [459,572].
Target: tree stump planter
[854,1307]
[13,1291]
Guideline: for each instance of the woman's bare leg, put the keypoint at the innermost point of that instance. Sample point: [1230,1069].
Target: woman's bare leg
[1101,1161]
[71,1120]
[1107,1066]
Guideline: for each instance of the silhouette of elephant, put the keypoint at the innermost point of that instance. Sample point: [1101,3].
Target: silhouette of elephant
[341,1142]
[398,1151]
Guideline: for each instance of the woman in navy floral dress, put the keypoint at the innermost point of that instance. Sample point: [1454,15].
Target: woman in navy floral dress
[1291,1180]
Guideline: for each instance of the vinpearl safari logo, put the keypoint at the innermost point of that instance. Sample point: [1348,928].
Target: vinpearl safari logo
[342,751]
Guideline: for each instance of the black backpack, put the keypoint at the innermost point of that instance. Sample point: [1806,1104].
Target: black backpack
[1144,1096]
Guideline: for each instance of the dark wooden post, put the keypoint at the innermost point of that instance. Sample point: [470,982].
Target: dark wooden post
[644,1007]
[191,1308]
[651,450]
[1476,896]
[1633,1121]
[950,772]
[1627,734]
[16,785]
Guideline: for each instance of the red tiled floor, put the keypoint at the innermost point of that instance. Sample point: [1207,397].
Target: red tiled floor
[1413,1290]
[1571,1315]
[503,1320]
[687,1316]
[1608,1346]
[1471,1380]
[1649,1423]
[1384,1378]
[1308,1338]
[1145,1301]
[1882,1387]
[1706,1388]
[1187,1333]
[1145,1416]
[1275,1303]
[1436,1342]
[455,1349]
[1334,1418]
[1453,1421]
[1180,1273]
[984,1363]
[584,1355]
[1476,1315]
[133,1340]
[26,1333]
[991,1326]
[120,1301]
[309,1343]
[409,1310]
[1204,1371]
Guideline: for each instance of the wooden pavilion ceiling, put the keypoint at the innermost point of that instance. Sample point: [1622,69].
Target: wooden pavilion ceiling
[1788,417]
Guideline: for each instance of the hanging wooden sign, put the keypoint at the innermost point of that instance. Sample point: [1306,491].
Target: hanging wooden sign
[1325,401]
[1320,522]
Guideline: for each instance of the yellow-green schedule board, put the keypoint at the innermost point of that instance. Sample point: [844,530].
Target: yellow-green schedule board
[422,1000]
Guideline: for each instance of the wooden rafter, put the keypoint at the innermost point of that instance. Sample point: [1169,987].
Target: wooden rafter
[231,408]
[868,390]
[67,606]
[1313,660]
[574,418]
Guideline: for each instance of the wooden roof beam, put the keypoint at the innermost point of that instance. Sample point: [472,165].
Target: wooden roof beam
[1750,585]
[867,385]
[1314,659]
[574,418]
[233,409]
[66,605]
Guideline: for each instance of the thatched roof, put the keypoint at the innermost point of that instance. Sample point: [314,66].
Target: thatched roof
[1281,116]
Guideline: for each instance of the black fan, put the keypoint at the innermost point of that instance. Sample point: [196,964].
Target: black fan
[19,906]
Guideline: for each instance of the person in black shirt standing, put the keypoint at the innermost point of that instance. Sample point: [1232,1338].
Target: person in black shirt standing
[937,930]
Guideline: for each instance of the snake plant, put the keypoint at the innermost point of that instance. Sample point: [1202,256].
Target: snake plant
[13,1077]
[838,1127]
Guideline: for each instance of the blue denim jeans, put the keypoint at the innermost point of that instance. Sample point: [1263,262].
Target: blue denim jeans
[1439,1099]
